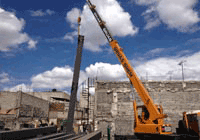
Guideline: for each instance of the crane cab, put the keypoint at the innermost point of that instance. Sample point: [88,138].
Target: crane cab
[144,123]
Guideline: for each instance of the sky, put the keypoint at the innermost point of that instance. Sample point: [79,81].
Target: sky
[38,41]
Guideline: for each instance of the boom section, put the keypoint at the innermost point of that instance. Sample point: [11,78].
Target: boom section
[135,81]
[100,22]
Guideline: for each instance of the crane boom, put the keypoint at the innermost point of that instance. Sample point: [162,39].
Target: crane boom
[100,22]
[152,121]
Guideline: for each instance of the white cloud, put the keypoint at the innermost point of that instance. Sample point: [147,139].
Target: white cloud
[151,22]
[106,71]
[176,14]
[50,12]
[58,77]
[117,20]
[40,13]
[157,69]
[21,87]
[70,36]
[163,68]
[156,51]
[61,77]
[146,2]
[32,44]
[37,13]
[72,16]
[11,31]
[194,40]
[4,77]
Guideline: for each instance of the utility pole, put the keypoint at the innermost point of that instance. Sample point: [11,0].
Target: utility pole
[181,64]
[170,74]
[146,76]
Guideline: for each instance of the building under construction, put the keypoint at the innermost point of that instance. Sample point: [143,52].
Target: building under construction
[30,110]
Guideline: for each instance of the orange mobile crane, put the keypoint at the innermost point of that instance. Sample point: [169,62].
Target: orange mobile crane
[151,120]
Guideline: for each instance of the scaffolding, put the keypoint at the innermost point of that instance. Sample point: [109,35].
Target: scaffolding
[88,112]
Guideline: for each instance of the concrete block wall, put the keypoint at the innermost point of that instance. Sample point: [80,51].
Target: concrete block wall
[175,98]
[113,107]
[113,102]
[31,107]
[8,101]
[48,97]
[40,106]
[175,103]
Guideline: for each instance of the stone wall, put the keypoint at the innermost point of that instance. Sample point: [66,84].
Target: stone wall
[114,107]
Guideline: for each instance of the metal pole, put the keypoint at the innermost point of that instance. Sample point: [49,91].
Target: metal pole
[146,76]
[181,63]
[182,73]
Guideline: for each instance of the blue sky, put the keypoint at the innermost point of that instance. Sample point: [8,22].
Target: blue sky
[38,41]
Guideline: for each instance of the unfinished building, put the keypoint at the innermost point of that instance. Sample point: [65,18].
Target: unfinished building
[114,106]
[58,105]
[18,108]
